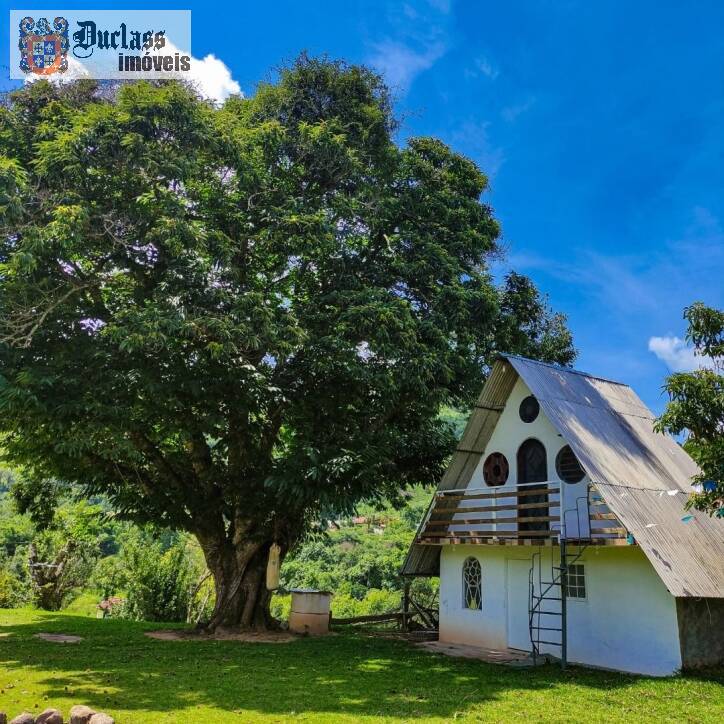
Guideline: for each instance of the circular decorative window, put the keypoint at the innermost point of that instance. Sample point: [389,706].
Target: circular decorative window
[495,469]
[568,467]
[529,409]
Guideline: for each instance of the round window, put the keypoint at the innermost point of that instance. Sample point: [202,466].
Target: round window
[495,469]
[568,467]
[529,409]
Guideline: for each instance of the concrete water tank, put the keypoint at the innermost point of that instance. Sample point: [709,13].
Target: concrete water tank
[310,611]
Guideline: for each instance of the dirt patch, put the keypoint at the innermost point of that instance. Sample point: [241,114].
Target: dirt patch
[267,637]
[493,656]
[59,638]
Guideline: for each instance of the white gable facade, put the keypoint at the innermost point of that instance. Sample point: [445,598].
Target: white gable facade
[504,518]
[616,579]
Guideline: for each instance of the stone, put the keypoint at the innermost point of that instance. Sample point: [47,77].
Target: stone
[101,718]
[49,716]
[80,714]
[59,638]
[23,718]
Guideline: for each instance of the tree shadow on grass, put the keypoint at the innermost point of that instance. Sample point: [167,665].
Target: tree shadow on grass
[117,668]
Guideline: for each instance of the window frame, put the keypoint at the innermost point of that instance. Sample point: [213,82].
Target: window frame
[566,449]
[526,402]
[497,458]
[579,582]
[466,584]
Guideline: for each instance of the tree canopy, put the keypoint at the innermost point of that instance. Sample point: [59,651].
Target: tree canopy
[696,407]
[230,320]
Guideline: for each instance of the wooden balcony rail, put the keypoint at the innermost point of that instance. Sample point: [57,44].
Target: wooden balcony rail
[528,514]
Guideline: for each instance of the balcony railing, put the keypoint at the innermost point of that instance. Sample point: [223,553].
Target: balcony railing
[528,514]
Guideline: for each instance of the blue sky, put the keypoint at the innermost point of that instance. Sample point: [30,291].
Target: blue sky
[600,125]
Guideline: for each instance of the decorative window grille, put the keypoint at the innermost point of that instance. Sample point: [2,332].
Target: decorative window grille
[495,469]
[472,584]
[575,581]
[568,467]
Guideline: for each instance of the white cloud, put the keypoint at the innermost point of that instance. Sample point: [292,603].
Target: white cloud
[416,35]
[676,354]
[210,76]
[400,64]
[213,78]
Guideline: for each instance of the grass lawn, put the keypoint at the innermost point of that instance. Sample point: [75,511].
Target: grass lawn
[348,677]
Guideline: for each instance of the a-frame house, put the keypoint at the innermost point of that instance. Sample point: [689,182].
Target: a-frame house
[560,528]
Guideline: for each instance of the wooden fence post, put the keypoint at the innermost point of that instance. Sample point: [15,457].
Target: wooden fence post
[406,605]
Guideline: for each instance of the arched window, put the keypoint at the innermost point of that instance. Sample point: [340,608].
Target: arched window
[532,462]
[472,584]
[533,468]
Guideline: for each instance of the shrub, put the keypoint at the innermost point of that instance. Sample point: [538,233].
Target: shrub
[281,605]
[111,576]
[11,588]
[159,581]
[375,601]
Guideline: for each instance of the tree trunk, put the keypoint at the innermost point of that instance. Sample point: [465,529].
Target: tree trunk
[242,599]
[49,585]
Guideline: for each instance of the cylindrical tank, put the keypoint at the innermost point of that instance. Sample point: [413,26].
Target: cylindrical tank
[310,611]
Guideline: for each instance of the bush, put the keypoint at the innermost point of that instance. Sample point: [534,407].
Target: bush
[110,577]
[160,582]
[15,589]
[281,606]
[375,601]
[11,590]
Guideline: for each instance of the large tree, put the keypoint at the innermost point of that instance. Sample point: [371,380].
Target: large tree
[696,407]
[230,320]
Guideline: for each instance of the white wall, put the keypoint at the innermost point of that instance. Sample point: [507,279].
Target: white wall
[627,621]
[510,432]
[508,435]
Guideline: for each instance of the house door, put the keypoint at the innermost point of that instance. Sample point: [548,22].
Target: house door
[533,468]
[517,605]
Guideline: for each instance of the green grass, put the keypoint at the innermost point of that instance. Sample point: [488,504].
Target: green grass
[86,604]
[347,677]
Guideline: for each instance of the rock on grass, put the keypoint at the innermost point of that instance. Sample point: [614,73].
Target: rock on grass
[23,718]
[49,716]
[81,714]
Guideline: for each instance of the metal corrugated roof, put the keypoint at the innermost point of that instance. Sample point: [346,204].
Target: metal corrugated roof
[685,548]
[480,426]
[422,560]
[609,428]
[644,476]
